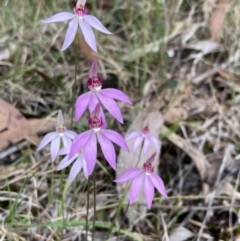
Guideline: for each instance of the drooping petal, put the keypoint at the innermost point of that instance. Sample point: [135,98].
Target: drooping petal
[65,162]
[76,168]
[137,142]
[158,183]
[95,23]
[96,111]
[71,33]
[93,101]
[59,17]
[133,134]
[155,142]
[129,174]
[79,142]
[116,138]
[116,94]
[136,186]
[88,35]
[46,139]
[94,69]
[55,146]
[107,149]
[111,106]
[149,191]
[81,105]
[64,151]
[90,152]
[85,170]
[71,134]
[66,141]
[146,144]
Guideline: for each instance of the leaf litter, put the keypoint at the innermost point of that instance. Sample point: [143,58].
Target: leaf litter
[192,98]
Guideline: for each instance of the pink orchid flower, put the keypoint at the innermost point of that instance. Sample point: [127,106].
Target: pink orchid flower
[55,138]
[88,141]
[97,95]
[78,165]
[81,19]
[146,177]
[145,137]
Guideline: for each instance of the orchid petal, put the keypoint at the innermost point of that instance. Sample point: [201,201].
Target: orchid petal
[79,142]
[137,142]
[85,170]
[96,111]
[71,134]
[65,162]
[95,23]
[102,116]
[76,168]
[146,145]
[59,17]
[133,134]
[64,151]
[66,141]
[111,106]
[158,183]
[129,174]
[94,69]
[71,33]
[151,158]
[136,186]
[116,94]
[55,146]
[149,191]
[107,149]
[155,142]
[60,119]
[90,152]
[47,139]
[93,101]
[80,3]
[81,105]
[116,138]
[88,35]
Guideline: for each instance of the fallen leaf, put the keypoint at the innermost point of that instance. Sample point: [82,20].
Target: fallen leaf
[180,234]
[4,120]
[25,131]
[217,19]
[16,118]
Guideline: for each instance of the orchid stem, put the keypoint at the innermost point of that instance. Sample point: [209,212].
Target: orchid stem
[75,82]
[127,189]
[94,205]
[88,190]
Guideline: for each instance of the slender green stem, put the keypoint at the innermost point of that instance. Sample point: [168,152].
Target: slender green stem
[88,191]
[94,205]
[123,198]
[74,90]
[125,214]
